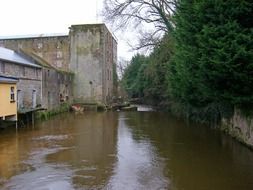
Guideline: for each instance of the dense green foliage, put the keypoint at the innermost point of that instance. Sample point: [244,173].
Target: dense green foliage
[213,56]
[131,78]
[208,69]
[145,77]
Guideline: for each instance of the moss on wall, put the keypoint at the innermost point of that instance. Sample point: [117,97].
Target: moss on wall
[44,115]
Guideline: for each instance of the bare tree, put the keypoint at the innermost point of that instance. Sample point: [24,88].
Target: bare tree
[136,13]
[121,66]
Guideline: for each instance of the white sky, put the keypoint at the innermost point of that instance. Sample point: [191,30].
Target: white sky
[22,17]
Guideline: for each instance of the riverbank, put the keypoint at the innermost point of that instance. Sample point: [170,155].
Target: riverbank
[240,127]
[231,121]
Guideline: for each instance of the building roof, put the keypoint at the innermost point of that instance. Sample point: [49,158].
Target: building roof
[33,36]
[42,61]
[9,80]
[12,56]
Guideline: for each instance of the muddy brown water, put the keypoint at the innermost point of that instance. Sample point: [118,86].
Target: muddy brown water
[122,151]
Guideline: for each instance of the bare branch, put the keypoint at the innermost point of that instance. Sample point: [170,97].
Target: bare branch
[134,13]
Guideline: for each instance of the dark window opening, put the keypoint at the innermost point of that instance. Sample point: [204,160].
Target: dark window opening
[12,94]
[61,98]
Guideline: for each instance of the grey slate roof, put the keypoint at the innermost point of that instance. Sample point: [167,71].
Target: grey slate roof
[12,56]
[33,36]
[8,80]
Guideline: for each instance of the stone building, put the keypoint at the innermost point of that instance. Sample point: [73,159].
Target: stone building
[89,51]
[93,54]
[29,75]
[39,83]
[53,48]
[56,84]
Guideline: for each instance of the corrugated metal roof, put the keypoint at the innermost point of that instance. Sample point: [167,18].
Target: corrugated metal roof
[33,36]
[8,80]
[12,56]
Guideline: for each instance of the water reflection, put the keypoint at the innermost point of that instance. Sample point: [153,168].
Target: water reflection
[70,151]
[132,150]
[138,166]
[196,156]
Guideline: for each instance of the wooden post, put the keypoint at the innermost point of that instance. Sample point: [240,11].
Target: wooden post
[33,119]
[27,118]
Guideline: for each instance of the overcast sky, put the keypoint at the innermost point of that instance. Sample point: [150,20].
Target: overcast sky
[22,17]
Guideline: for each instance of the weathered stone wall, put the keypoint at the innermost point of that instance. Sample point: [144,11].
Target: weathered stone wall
[110,56]
[240,126]
[28,86]
[54,49]
[87,62]
[26,90]
[57,88]
[92,56]
[115,59]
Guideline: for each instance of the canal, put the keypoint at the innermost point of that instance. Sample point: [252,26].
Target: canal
[122,151]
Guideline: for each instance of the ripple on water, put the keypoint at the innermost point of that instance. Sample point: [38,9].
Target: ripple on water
[43,178]
[85,169]
[51,138]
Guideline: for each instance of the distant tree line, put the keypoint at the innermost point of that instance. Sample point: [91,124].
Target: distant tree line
[202,66]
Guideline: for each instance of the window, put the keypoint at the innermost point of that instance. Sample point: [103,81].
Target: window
[22,70]
[40,54]
[48,99]
[19,99]
[58,45]
[37,72]
[2,67]
[58,63]
[45,78]
[12,94]
[40,45]
[34,102]
[61,98]
[58,54]
[20,46]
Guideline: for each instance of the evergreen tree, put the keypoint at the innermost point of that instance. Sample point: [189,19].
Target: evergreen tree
[213,60]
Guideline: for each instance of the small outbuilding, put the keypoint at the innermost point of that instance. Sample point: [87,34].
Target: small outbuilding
[8,98]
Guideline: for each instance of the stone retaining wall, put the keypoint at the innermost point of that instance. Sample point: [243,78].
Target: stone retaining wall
[240,126]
